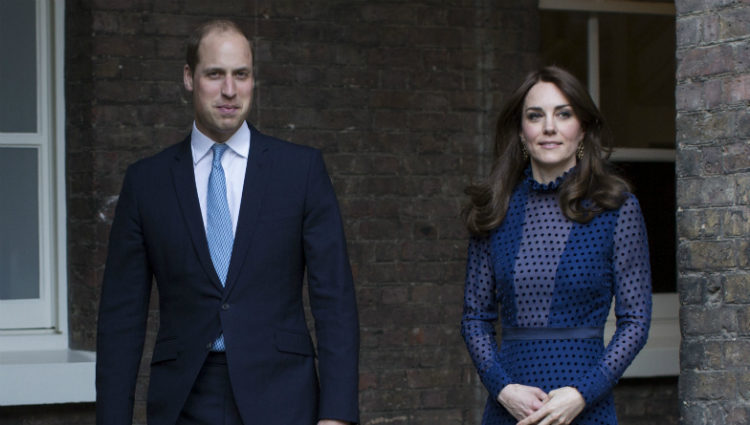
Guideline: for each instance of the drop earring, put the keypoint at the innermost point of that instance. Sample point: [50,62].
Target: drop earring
[579,151]
[523,150]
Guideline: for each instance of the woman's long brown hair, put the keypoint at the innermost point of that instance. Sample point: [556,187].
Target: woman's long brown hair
[592,186]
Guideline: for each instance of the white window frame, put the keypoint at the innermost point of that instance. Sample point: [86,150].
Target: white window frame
[661,355]
[38,313]
[37,359]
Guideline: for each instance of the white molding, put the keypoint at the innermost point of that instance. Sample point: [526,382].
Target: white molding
[20,140]
[592,55]
[45,377]
[643,155]
[46,176]
[610,6]
[33,339]
[59,202]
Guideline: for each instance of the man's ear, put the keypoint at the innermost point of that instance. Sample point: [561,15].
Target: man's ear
[187,78]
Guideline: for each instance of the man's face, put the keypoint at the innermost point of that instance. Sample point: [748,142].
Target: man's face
[222,84]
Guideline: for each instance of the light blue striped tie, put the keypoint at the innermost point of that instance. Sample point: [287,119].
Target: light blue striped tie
[219,224]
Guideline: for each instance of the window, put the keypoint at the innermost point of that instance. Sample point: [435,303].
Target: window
[33,286]
[27,170]
[625,52]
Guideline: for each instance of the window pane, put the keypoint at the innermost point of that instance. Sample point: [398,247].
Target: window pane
[18,75]
[563,41]
[638,79]
[19,224]
[654,185]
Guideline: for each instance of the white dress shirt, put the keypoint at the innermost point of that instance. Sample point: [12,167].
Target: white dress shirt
[234,162]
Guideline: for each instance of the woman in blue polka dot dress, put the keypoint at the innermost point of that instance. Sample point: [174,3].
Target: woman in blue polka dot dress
[556,235]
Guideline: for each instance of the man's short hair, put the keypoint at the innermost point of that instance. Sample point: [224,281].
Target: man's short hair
[221,25]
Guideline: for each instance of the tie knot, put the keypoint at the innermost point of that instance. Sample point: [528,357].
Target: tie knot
[219,149]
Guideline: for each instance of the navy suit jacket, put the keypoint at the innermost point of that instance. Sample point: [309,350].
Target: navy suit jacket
[289,226]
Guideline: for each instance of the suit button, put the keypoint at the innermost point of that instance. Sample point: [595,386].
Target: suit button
[209,346]
[225,306]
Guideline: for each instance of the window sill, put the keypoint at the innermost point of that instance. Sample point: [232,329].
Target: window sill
[47,376]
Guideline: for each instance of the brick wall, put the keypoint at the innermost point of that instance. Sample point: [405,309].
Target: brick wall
[647,401]
[713,185]
[401,96]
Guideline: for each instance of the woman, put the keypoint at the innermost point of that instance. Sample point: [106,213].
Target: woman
[555,235]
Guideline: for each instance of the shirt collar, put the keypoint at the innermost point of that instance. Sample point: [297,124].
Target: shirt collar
[201,144]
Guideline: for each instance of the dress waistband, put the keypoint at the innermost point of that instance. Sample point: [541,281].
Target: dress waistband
[515,333]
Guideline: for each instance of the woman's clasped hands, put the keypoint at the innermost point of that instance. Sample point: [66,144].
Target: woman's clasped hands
[532,406]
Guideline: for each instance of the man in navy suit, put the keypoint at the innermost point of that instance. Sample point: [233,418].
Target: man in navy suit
[233,346]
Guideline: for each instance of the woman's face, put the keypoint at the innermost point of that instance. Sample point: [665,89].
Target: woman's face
[550,131]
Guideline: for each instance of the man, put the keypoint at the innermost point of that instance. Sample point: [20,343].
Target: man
[227,223]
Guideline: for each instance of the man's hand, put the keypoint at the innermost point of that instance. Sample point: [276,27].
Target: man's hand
[563,405]
[332,422]
[521,400]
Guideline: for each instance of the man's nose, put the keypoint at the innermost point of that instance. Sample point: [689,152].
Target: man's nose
[229,88]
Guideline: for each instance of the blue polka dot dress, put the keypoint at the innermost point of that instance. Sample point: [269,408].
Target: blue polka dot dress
[551,281]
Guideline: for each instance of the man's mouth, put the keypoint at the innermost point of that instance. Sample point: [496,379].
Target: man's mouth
[227,109]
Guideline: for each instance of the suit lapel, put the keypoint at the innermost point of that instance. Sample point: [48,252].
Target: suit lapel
[184,182]
[253,191]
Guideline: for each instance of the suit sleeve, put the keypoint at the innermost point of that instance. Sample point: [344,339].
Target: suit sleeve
[332,297]
[123,311]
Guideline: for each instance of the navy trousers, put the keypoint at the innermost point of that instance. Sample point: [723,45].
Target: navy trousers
[211,401]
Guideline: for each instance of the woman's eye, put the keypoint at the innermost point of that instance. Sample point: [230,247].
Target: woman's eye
[533,116]
[565,114]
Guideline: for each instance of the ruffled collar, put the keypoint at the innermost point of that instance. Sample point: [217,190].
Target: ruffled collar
[544,187]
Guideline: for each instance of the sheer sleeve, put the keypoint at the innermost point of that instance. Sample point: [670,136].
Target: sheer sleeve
[632,289]
[480,314]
